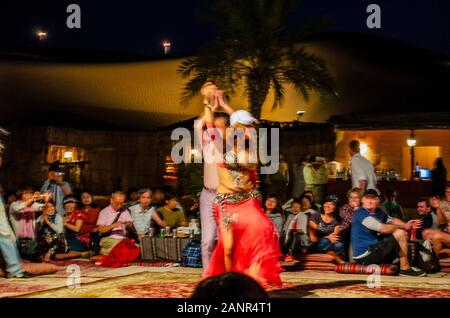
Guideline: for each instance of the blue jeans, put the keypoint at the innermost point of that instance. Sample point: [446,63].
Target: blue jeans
[11,257]
[76,246]
[324,245]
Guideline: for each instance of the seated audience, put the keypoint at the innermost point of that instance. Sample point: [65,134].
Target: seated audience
[324,231]
[90,211]
[171,215]
[391,206]
[23,212]
[143,212]
[113,222]
[443,211]
[191,205]
[316,207]
[429,218]
[441,239]
[132,197]
[377,238]
[229,285]
[346,212]
[435,202]
[275,213]
[76,233]
[158,198]
[295,232]
[50,233]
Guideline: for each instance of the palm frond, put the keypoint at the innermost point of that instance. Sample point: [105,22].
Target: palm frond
[308,72]
[277,85]
[255,49]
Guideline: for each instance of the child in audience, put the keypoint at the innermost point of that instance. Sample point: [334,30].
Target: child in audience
[273,210]
[295,232]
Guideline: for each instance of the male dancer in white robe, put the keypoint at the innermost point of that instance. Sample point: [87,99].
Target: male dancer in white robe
[211,155]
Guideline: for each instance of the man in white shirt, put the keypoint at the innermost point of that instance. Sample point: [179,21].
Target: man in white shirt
[363,174]
[142,213]
[107,222]
[210,128]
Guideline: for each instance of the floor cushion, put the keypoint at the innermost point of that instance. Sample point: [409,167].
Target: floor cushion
[320,266]
[444,262]
[290,266]
[317,257]
[353,268]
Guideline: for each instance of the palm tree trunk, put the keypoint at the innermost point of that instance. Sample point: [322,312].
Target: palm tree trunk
[257,92]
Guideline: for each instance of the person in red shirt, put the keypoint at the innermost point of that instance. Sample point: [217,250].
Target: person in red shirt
[77,234]
[90,211]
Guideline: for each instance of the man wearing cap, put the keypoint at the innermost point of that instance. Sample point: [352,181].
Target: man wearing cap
[210,129]
[363,174]
[57,187]
[8,246]
[377,238]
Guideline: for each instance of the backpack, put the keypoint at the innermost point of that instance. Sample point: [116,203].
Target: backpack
[425,257]
[192,255]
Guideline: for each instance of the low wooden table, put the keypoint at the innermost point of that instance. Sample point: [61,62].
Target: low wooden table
[163,248]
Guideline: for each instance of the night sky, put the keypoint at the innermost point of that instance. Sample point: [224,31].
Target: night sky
[140,26]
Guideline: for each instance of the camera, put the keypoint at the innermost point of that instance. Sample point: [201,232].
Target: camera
[300,113]
[59,174]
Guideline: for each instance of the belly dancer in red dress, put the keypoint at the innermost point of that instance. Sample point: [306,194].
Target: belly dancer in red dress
[247,240]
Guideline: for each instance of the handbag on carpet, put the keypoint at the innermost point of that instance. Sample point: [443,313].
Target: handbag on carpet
[27,249]
[192,255]
[423,256]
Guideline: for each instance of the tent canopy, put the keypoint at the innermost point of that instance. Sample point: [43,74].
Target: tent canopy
[128,91]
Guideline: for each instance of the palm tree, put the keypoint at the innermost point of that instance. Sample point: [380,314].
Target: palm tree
[256,49]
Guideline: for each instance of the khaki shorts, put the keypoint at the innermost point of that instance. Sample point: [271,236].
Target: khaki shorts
[107,244]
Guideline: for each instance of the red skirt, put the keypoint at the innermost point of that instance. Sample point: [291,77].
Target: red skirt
[123,253]
[256,247]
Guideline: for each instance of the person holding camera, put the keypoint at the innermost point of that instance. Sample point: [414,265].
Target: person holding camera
[57,187]
[8,246]
[22,213]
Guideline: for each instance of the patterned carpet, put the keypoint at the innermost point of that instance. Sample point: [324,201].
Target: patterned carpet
[181,283]
[167,280]
[90,273]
